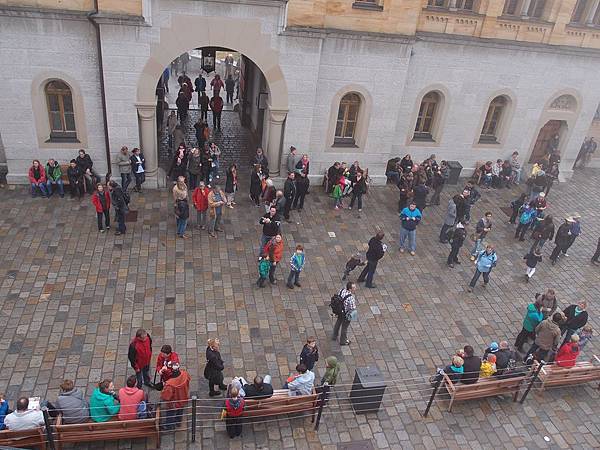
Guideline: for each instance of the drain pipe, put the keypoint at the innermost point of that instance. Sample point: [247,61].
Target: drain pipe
[91,17]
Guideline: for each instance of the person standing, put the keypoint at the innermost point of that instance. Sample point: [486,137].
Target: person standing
[264,267]
[175,395]
[482,228]
[183,104]
[270,227]
[297,262]
[138,166]
[216,106]
[358,190]
[543,233]
[213,371]
[274,249]
[292,159]
[200,200]
[216,200]
[217,85]
[456,242]
[409,219]
[440,176]
[548,302]
[547,339]
[310,353]
[575,232]
[200,84]
[289,192]
[375,252]
[596,254]
[182,209]
[472,198]
[515,165]
[533,317]
[194,168]
[123,161]
[171,124]
[531,260]
[576,317]
[120,201]
[527,216]
[37,178]
[420,196]
[229,88]
[302,184]
[140,356]
[101,200]
[165,361]
[348,315]
[203,103]
[485,262]
[450,219]
[562,239]
[54,176]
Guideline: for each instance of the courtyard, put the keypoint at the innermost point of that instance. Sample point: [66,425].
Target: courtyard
[72,299]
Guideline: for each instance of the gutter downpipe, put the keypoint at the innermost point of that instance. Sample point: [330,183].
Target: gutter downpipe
[96,25]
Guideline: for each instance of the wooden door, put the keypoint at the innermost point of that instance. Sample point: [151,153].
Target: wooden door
[551,128]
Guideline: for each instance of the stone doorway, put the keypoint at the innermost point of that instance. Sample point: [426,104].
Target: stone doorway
[548,139]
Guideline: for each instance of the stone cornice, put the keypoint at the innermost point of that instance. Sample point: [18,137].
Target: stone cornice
[320,33]
[65,14]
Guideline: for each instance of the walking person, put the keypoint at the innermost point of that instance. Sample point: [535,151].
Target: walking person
[347,314]
[483,227]
[216,200]
[358,190]
[54,176]
[450,219]
[409,219]
[140,356]
[200,200]
[231,185]
[216,106]
[101,201]
[213,371]
[274,249]
[596,254]
[543,233]
[37,179]
[138,167]
[375,252]
[310,353]
[531,260]
[533,316]
[229,88]
[456,242]
[203,103]
[515,205]
[120,201]
[182,209]
[194,168]
[289,192]
[123,161]
[485,262]
[562,239]
[297,262]
[527,216]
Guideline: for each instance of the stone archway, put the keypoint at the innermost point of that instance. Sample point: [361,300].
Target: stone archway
[187,32]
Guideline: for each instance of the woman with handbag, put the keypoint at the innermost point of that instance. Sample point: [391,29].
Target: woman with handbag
[213,371]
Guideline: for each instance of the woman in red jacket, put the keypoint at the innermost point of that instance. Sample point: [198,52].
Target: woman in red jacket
[200,199]
[568,353]
[101,200]
[37,178]
[164,363]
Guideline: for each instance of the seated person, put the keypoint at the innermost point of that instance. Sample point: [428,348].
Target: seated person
[486,175]
[260,388]
[300,383]
[505,358]
[24,418]
[472,364]
[104,402]
[130,397]
[72,404]
[4,409]
[488,366]
[454,370]
[568,353]
[493,348]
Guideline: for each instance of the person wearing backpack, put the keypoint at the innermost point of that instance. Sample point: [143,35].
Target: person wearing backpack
[343,305]
[526,217]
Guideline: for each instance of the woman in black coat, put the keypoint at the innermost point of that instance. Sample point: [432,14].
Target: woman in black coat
[577,317]
[256,184]
[179,164]
[213,371]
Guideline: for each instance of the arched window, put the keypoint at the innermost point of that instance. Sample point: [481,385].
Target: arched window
[426,117]
[347,119]
[61,115]
[491,124]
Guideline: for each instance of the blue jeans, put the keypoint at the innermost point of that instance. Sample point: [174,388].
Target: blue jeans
[59,183]
[173,418]
[477,247]
[41,186]
[293,278]
[125,181]
[181,224]
[412,238]
[368,273]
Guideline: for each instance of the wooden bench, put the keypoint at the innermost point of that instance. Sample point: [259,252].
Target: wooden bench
[64,177]
[24,439]
[281,403]
[484,387]
[112,430]
[582,372]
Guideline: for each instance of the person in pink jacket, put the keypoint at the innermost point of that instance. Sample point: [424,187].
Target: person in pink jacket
[37,178]
[129,398]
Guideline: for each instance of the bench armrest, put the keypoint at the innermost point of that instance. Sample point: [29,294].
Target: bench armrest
[449,384]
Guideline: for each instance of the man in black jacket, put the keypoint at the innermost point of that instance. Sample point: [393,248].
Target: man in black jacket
[119,201]
[471,366]
[270,222]
[374,254]
[260,388]
[85,164]
[289,192]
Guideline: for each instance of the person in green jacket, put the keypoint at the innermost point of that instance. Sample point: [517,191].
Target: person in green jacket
[102,402]
[533,317]
[264,266]
[331,371]
[54,176]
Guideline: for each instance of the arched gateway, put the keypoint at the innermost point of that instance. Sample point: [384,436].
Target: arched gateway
[190,31]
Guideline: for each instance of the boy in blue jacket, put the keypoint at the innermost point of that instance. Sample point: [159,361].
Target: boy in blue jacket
[296,265]
[409,219]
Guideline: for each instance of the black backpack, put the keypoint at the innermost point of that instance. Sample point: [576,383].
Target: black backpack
[337,304]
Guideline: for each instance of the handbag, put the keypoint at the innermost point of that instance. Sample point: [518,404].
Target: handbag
[352,316]
[158,386]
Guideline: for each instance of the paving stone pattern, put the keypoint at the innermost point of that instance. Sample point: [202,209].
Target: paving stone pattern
[72,299]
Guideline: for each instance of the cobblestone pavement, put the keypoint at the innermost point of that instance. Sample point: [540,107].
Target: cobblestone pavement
[72,298]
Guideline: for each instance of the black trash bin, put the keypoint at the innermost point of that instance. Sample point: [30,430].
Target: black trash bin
[454,168]
[367,390]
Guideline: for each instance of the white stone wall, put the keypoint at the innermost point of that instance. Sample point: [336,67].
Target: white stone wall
[29,47]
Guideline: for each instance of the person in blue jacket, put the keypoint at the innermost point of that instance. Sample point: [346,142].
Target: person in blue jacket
[485,262]
[409,219]
[3,411]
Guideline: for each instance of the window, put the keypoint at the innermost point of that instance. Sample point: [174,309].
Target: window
[347,119]
[439,3]
[536,8]
[510,7]
[491,124]
[465,4]
[578,12]
[60,111]
[375,5]
[426,117]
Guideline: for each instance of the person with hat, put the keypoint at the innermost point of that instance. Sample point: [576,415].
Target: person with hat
[562,239]
[493,348]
